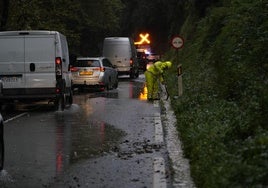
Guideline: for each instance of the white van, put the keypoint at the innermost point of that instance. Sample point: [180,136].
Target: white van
[34,65]
[122,53]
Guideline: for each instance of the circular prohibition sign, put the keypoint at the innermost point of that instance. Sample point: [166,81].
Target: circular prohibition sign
[177,42]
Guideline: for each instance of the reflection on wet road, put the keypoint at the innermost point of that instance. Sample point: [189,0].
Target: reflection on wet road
[43,144]
[52,141]
[89,136]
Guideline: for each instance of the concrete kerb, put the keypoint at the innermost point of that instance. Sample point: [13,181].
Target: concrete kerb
[180,165]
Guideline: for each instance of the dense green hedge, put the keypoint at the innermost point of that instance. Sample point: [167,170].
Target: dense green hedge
[222,115]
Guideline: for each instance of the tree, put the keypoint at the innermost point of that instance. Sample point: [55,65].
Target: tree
[4,7]
[147,16]
[102,19]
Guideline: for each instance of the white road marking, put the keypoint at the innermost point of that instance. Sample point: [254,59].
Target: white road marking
[15,117]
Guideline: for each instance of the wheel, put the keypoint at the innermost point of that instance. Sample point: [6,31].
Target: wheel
[70,97]
[60,102]
[137,74]
[132,74]
[116,83]
[109,84]
[2,146]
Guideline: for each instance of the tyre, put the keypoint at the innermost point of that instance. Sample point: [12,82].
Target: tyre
[116,83]
[132,74]
[60,102]
[70,98]
[108,86]
[61,98]
[137,74]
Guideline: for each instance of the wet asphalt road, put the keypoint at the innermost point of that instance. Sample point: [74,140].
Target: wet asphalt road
[105,139]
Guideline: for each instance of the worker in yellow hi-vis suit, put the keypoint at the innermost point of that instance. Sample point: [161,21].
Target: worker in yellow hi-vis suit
[153,76]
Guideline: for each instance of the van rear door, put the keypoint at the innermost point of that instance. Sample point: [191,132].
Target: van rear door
[119,53]
[40,61]
[12,65]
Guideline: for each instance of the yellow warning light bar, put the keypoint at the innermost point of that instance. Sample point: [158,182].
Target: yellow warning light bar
[144,39]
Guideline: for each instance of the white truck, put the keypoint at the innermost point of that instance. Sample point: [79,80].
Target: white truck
[34,65]
[122,53]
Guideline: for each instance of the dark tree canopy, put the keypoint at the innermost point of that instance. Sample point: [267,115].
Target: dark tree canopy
[86,23]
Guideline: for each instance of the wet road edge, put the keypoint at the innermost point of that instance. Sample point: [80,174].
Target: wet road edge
[180,165]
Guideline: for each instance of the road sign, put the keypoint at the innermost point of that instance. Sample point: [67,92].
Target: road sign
[177,42]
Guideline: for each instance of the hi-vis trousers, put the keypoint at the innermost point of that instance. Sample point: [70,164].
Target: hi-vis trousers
[152,83]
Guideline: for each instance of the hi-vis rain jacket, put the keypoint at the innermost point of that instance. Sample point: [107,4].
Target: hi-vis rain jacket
[153,76]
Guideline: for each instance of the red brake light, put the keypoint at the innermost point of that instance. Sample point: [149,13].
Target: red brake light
[131,61]
[58,60]
[74,69]
[58,63]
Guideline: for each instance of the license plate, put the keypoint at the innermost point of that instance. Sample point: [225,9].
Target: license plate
[85,73]
[10,79]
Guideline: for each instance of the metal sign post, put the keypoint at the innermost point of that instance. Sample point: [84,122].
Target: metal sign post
[179,70]
[177,43]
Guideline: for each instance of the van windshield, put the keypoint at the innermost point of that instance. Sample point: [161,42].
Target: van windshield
[87,63]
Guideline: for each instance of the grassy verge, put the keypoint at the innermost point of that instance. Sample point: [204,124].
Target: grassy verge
[222,115]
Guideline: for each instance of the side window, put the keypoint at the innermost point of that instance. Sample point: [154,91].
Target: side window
[106,63]
[87,63]
[95,63]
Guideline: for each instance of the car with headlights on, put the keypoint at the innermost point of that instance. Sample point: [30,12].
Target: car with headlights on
[94,72]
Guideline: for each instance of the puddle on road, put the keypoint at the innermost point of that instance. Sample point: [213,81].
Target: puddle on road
[93,139]
[81,138]
[88,135]
[64,138]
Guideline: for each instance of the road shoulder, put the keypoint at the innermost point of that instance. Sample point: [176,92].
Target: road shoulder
[180,164]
